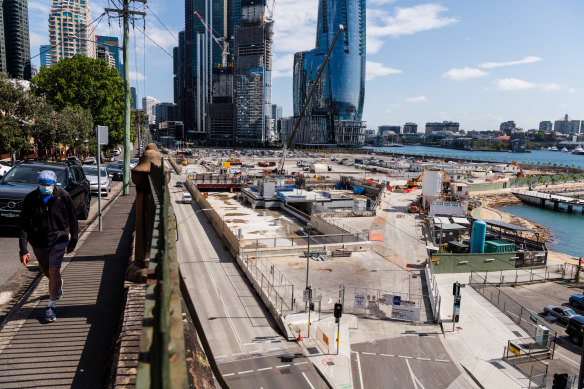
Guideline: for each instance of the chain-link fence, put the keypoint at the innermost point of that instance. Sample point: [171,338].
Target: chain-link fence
[525,275]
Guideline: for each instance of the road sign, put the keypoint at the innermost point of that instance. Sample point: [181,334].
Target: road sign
[405,313]
[305,295]
[359,300]
[396,300]
[103,134]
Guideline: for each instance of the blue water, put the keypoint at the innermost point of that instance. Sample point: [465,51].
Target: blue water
[542,156]
[565,228]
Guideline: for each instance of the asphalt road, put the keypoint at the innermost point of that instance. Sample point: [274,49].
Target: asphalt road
[406,362]
[243,337]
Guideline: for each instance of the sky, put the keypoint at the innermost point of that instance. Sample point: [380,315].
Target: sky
[472,61]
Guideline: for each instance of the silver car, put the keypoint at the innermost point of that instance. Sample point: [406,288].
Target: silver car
[563,314]
[91,174]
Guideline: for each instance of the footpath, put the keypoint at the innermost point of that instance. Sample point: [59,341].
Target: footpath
[75,351]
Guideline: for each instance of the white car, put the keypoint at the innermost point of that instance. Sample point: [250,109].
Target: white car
[187,198]
[4,168]
[91,174]
[133,162]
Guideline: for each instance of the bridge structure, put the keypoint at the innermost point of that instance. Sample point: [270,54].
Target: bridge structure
[550,200]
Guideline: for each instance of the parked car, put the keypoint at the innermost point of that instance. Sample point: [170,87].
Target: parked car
[74,159]
[4,167]
[179,184]
[91,174]
[577,300]
[563,314]
[134,162]
[89,161]
[116,171]
[187,198]
[575,329]
[22,179]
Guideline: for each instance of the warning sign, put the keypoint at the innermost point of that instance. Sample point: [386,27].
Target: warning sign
[359,300]
[514,349]
[405,312]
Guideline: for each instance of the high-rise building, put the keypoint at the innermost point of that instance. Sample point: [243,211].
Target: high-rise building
[338,97]
[276,117]
[165,112]
[110,45]
[545,126]
[45,56]
[507,127]
[69,29]
[14,39]
[410,128]
[178,69]
[394,129]
[148,104]
[444,126]
[574,127]
[253,73]
[562,124]
[134,97]
[221,109]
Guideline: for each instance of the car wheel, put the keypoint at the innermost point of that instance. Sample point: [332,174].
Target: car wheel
[575,339]
[85,213]
[575,304]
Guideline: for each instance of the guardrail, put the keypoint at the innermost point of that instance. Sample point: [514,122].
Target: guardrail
[162,346]
[524,276]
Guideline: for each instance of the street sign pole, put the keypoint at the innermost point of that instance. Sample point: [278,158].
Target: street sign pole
[97,131]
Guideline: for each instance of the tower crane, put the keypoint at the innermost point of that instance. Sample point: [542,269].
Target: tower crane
[224,48]
[280,167]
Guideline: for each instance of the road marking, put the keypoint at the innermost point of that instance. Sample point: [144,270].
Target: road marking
[387,355]
[306,378]
[300,363]
[423,359]
[228,374]
[366,353]
[245,372]
[415,380]
[403,356]
[360,372]
[442,360]
[265,368]
[281,366]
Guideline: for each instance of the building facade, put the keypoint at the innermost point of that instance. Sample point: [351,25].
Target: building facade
[165,112]
[410,128]
[45,56]
[507,127]
[221,109]
[340,92]
[14,39]
[69,30]
[277,112]
[545,126]
[178,69]
[111,45]
[148,104]
[444,126]
[134,97]
[394,129]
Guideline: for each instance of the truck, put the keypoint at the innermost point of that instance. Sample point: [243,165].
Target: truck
[318,168]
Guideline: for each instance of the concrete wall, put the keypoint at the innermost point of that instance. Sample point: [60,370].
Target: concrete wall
[525,181]
[324,227]
[176,168]
[464,263]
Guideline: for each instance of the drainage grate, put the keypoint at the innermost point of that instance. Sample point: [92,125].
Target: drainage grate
[518,334]
[312,350]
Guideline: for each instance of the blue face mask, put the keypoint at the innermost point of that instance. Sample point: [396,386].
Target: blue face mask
[46,190]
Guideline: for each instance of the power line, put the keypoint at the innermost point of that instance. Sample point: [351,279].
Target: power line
[153,13]
[160,47]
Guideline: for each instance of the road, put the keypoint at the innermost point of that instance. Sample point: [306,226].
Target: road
[245,342]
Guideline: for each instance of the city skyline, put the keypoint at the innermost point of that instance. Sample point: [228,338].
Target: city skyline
[477,64]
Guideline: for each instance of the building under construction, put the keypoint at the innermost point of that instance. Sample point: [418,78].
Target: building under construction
[252,75]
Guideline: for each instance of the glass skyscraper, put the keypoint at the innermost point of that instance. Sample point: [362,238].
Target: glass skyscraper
[340,92]
[14,39]
[45,55]
[111,45]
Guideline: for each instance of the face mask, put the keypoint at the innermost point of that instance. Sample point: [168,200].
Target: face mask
[46,190]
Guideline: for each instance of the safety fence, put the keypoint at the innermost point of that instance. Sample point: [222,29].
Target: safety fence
[162,346]
[434,294]
[524,275]
[526,356]
[300,241]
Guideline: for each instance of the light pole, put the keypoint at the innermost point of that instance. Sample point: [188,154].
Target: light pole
[309,226]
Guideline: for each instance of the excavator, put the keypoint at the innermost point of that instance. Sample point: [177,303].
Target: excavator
[521,174]
[416,182]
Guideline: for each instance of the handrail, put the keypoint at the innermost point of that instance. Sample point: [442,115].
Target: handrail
[162,346]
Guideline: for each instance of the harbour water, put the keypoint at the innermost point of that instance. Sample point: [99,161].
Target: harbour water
[565,228]
[543,157]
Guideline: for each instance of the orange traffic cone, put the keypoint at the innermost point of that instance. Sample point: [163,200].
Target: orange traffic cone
[299,336]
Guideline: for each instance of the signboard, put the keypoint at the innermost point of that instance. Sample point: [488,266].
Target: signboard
[533,317]
[396,300]
[227,165]
[359,300]
[404,312]
[103,133]
[387,299]
[435,259]
[514,349]
[305,295]
[371,301]
[530,258]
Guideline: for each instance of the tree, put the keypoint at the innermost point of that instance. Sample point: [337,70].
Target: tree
[83,82]
[16,111]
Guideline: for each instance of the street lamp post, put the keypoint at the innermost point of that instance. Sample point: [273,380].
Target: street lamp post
[309,225]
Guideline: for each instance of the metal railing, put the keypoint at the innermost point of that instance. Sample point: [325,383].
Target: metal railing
[162,345]
[526,356]
[301,241]
[524,275]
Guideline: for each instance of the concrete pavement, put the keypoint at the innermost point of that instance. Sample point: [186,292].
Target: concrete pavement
[75,350]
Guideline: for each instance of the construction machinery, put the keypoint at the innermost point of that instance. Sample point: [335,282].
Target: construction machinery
[415,183]
[521,174]
[280,168]
[224,47]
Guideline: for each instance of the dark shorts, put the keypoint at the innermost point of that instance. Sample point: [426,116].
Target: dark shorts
[50,257]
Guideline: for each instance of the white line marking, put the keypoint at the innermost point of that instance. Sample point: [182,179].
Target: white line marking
[265,368]
[571,360]
[366,353]
[228,374]
[403,356]
[360,372]
[387,355]
[245,372]
[423,359]
[281,366]
[441,360]
[306,378]
[300,363]
[237,354]
[414,378]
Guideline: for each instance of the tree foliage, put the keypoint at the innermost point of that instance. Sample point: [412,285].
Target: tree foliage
[82,82]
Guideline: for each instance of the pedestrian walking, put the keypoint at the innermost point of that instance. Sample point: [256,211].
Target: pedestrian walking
[48,222]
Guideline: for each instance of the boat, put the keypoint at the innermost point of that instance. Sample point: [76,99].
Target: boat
[564,150]
[578,150]
[553,148]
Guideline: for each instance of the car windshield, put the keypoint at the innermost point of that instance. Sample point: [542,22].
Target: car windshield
[134,160]
[92,171]
[569,312]
[28,175]
[114,166]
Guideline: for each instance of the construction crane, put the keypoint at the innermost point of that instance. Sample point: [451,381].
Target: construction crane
[521,173]
[280,167]
[224,48]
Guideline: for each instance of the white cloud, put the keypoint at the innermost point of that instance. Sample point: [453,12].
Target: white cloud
[464,73]
[417,99]
[572,90]
[137,76]
[552,86]
[513,84]
[282,65]
[376,69]
[490,65]
[39,6]
[381,2]
[295,26]
[405,21]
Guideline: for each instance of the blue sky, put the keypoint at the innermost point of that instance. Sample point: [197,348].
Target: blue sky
[472,61]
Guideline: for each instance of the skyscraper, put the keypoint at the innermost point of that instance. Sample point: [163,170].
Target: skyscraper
[14,39]
[69,33]
[252,77]
[45,55]
[148,104]
[340,92]
[134,97]
[111,45]
[178,67]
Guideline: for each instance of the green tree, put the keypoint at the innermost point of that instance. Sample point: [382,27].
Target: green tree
[86,83]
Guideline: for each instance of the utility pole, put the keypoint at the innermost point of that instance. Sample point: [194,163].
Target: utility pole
[126,15]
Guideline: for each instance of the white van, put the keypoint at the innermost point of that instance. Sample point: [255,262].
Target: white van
[187,198]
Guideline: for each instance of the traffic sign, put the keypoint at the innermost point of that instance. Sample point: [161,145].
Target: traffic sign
[396,300]
[305,295]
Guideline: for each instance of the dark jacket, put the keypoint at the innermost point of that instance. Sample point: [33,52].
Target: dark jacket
[44,225]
